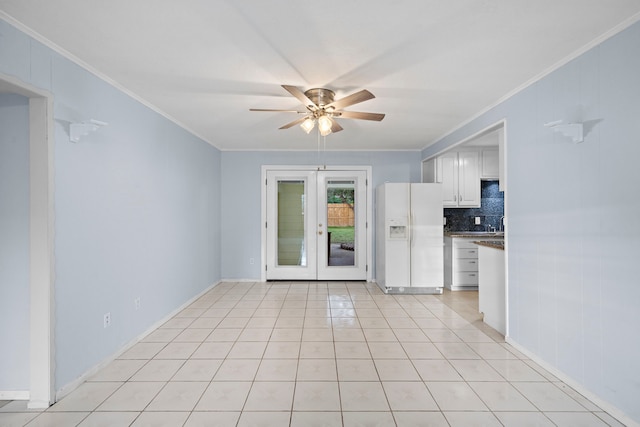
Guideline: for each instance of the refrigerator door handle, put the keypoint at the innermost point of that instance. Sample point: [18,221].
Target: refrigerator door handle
[411,228]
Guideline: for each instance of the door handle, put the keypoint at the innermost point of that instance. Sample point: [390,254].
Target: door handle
[320,232]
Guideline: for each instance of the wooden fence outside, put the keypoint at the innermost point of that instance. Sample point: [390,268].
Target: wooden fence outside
[340,215]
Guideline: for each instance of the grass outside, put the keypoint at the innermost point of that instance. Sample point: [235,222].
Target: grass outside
[342,234]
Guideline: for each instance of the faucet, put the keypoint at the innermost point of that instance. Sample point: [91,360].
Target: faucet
[502,223]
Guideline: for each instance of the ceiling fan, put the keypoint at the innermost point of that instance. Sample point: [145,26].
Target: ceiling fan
[321,107]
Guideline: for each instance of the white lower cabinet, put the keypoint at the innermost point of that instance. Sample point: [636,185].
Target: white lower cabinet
[460,263]
[491,292]
[461,272]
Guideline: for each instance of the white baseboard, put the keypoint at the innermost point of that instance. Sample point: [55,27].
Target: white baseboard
[38,404]
[14,395]
[68,388]
[604,405]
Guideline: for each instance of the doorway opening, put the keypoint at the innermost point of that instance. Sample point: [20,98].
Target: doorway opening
[316,223]
[492,139]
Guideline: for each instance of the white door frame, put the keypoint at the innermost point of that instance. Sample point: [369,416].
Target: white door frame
[358,270]
[41,243]
[306,268]
[263,209]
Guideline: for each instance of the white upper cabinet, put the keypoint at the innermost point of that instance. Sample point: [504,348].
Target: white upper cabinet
[458,172]
[490,164]
[447,174]
[461,170]
[468,179]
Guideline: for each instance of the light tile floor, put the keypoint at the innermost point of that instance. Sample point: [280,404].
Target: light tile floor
[319,354]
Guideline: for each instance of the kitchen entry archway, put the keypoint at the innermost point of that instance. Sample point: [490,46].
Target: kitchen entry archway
[316,223]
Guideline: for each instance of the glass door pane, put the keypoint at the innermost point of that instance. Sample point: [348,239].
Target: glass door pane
[291,226]
[340,197]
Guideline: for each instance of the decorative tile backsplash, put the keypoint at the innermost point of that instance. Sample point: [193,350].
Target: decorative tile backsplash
[490,211]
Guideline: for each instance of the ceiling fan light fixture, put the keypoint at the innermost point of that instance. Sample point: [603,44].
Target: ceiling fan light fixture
[324,125]
[321,105]
[308,124]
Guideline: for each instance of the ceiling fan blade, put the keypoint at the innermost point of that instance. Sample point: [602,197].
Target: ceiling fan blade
[358,115]
[293,123]
[281,111]
[335,126]
[354,98]
[301,96]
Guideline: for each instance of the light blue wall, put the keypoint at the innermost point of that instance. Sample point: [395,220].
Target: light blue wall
[242,186]
[574,294]
[14,242]
[137,209]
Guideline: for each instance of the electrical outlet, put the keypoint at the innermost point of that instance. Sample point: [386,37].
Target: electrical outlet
[252,261]
[107,320]
[477,220]
[137,303]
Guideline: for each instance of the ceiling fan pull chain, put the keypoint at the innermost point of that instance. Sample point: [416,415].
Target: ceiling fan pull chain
[324,151]
[319,162]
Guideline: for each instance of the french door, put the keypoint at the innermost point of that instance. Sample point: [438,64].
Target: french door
[316,225]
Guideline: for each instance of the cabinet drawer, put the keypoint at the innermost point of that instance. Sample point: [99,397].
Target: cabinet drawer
[467,265]
[464,243]
[465,278]
[466,253]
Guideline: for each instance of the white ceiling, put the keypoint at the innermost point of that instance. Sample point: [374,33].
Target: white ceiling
[432,64]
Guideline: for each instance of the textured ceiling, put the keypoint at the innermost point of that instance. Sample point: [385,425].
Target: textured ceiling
[431,64]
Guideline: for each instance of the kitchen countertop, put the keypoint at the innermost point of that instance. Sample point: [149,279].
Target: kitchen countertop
[476,234]
[495,244]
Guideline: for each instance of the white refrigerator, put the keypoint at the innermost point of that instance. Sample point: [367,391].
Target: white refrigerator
[409,238]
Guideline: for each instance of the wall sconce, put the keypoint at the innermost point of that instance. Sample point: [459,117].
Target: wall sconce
[572,130]
[78,130]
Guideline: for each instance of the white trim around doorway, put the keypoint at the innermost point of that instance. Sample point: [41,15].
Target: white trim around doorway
[41,393]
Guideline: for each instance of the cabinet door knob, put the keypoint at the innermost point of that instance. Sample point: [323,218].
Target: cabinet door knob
[320,232]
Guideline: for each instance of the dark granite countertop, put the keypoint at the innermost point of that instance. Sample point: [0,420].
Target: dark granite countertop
[475,234]
[495,244]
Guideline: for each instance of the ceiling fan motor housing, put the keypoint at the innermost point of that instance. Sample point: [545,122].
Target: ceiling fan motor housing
[320,96]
